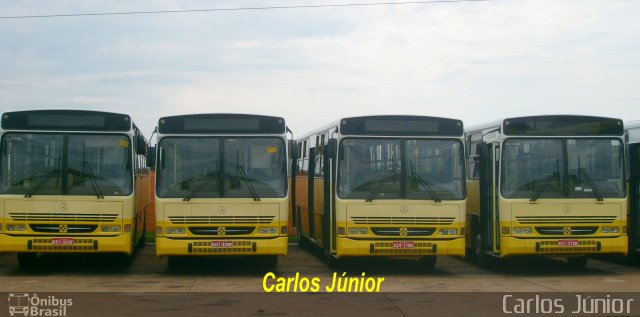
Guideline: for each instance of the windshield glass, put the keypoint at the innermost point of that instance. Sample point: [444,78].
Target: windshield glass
[562,168]
[65,164]
[401,169]
[191,167]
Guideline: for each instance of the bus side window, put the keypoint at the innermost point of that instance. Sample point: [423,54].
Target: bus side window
[473,161]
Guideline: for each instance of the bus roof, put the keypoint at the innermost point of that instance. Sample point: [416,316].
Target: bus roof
[221,123]
[66,120]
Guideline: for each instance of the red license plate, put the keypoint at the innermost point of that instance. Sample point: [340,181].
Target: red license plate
[567,243]
[403,245]
[221,244]
[63,241]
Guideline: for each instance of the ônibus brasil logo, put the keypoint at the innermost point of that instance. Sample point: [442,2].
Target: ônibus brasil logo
[24,304]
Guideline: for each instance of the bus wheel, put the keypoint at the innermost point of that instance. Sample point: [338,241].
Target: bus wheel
[27,260]
[175,262]
[123,260]
[479,257]
[332,261]
[577,262]
[268,261]
[428,262]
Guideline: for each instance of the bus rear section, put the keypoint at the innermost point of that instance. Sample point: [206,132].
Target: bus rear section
[71,189]
[222,187]
[389,186]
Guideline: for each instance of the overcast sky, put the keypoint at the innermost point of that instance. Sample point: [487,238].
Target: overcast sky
[475,61]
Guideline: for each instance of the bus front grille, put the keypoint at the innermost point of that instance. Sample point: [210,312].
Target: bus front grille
[204,247]
[227,231]
[565,219]
[62,217]
[176,220]
[55,228]
[403,220]
[559,231]
[386,248]
[397,231]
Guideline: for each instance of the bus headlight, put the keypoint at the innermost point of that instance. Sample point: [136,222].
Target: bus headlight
[175,230]
[354,231]
[268,230]
[170,230]
[448,231]
[179,230]
[16,228]
[107,228]
[522,230]
[610,230]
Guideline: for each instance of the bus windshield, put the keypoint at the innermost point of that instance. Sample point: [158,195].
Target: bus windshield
[562,168]
[401,169]
[190,167]
[65,164]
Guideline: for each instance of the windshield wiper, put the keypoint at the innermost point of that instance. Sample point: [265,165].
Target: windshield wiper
[582,171]
[244,177]
[378,184]
[426,186]
[41,183]
[536,195]
[92,179]
[198,189]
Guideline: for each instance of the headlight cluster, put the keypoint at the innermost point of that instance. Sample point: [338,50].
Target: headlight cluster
[13,227]
[268,230]
[448,231]
[354,231]
[107,228]
[610,230]
[174,230]
[522,230]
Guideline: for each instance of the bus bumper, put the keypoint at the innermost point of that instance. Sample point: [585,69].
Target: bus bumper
[351,247]
[75,244]
[516,246]
[169,246]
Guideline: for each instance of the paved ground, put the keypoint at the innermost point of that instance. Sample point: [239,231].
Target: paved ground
[91,273]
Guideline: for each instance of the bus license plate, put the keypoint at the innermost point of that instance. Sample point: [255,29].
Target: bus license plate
[403,245]
[567,243]
[63,241]
[221,244]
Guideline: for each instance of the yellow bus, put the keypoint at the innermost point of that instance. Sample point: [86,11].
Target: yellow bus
[389,186]
[221,187]
[71,181]
[547,185]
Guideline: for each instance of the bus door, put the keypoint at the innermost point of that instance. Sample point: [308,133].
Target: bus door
[310,193]
[489,216]
[328,219]
[634,197]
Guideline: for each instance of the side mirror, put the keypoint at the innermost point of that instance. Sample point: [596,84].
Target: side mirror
[141,145]
[331,149]
[151,156]
[293,149]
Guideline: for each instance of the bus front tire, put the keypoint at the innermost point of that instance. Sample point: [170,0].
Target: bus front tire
[577,262]
[27,260]
[428,262]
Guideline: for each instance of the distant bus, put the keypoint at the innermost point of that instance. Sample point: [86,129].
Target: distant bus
[71,181]
[221,187]
[389,186]
[547,185]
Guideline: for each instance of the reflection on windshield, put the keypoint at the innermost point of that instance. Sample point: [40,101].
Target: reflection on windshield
[253,167]
[400,168]
[555,168]
[73,164]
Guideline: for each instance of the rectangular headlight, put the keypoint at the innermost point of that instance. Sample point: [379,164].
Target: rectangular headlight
[11,228]
[106,228]
[517,230]
[355,231]
[268,230]
[526,230]
[170,230]
[21,228]
[179,230]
